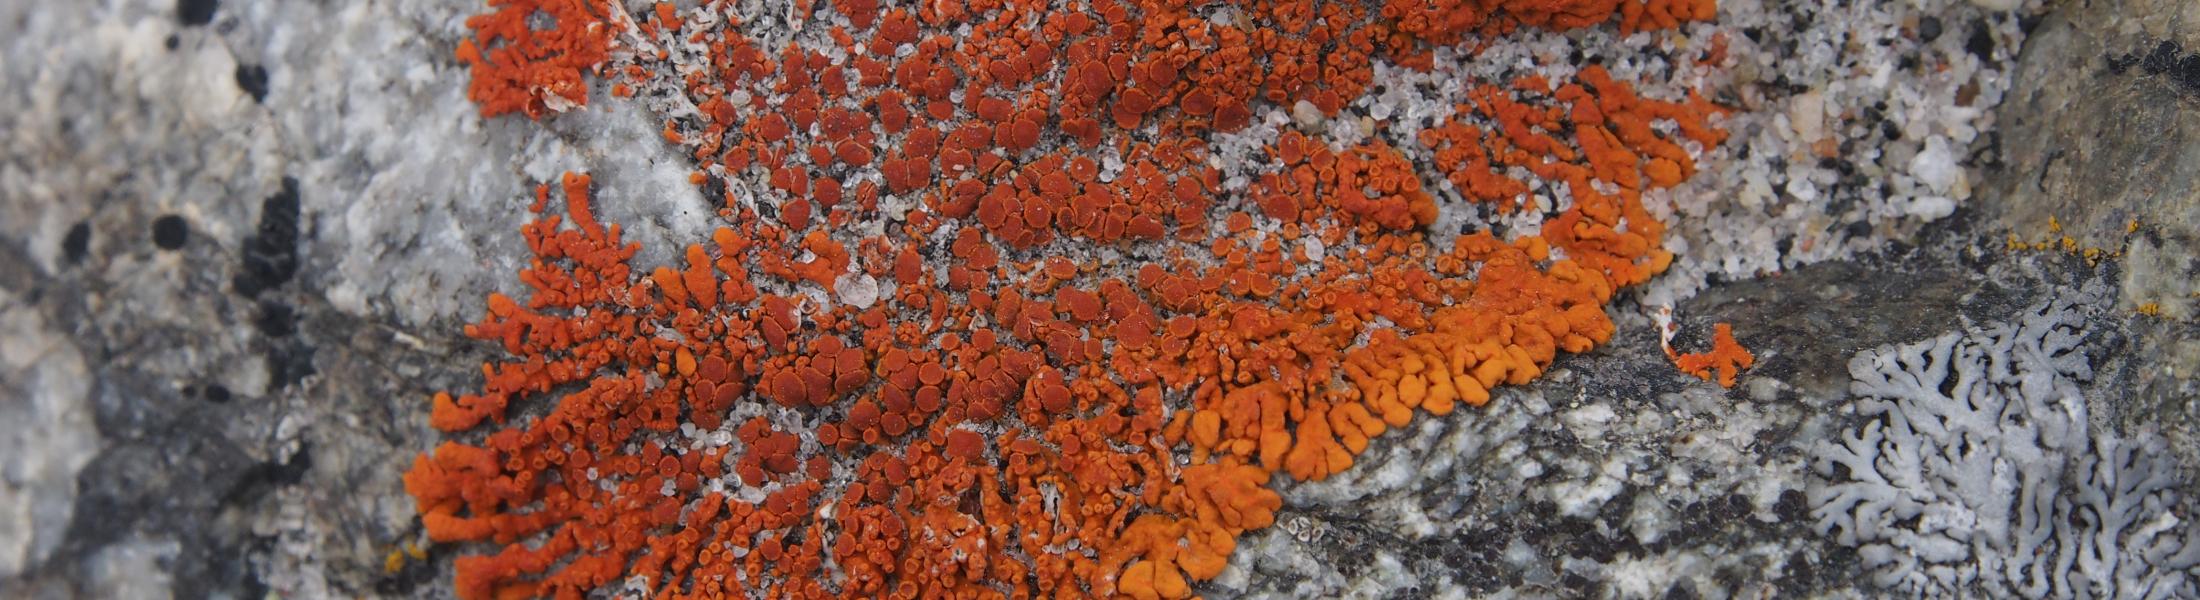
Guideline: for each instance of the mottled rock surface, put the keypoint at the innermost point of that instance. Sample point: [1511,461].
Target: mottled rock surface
[237,242]
[2103,122]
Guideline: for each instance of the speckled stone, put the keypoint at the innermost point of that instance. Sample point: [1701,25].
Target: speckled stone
[228,415]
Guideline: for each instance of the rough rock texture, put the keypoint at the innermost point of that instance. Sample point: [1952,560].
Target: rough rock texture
[236,242]
[2101,127]
[2097,127]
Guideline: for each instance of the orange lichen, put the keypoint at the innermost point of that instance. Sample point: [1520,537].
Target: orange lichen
[518,67]
[2056,240]
[1001,420]
[1726,356]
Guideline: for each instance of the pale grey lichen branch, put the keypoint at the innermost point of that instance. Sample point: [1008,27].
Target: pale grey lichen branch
[1976,471]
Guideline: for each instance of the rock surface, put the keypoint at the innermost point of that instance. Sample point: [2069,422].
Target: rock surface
[237,242]
[2102,125]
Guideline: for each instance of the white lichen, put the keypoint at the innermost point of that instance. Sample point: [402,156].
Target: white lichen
[1978,473]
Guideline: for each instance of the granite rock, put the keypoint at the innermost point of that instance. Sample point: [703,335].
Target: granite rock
[237,242]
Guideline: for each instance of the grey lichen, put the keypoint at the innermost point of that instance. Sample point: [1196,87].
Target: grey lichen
[1976,470]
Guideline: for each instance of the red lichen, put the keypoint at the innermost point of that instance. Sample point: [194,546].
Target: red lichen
[1002,420]
[1726,356]
[519,68]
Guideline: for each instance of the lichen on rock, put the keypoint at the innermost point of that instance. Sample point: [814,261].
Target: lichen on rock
[1976,469]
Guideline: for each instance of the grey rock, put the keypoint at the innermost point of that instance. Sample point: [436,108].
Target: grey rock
[2099,130]
[50,438]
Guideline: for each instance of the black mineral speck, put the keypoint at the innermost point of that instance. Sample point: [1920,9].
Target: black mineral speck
[196,12]
[77,242]
[173,41]
[215,393]
[1981,42]
[276,319]
[170,232]
[291,361]
[2161,59]
[253,80]
[271,252]
[1928,29]
[2167,60]
[1798,567]
[1790,507]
